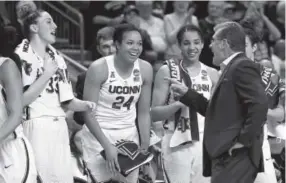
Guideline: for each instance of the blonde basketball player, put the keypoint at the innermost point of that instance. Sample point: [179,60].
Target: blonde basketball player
[47,91]
[16,159]
[117,83]
[182,157]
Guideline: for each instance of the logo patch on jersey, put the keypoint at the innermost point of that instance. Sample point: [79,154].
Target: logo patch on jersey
[204,73]
[27,67]
[136,72]
[136,79]
[204,78]
[112,74]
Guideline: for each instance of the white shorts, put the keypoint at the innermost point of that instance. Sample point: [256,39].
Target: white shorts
[182,164]
[17,162]
[268,176]
[96,164]
[50,141]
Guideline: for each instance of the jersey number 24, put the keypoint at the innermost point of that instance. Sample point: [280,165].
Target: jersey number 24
[121,102]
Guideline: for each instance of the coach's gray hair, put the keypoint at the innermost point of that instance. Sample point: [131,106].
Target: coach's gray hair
[226,24]
[233,33]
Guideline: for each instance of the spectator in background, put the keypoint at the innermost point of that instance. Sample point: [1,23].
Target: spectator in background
[131,16]
[4,13]
[159,8]
[280,21]
[103,44]
[268,32]
[215,16]
[278,58]
[182,15]
[100,14]
[153,25]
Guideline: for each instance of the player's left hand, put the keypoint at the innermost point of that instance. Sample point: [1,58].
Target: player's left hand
[235,146]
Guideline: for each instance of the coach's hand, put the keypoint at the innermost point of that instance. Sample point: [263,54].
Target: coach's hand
[176,87]
[112,164]
[235,146]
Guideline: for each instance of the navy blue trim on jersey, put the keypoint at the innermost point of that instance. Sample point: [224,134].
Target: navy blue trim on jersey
[24,180]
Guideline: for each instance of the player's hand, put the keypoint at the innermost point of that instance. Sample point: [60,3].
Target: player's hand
[143,150]
[50,67]
[235,146]
[90,106]
[112,159]
[177,88]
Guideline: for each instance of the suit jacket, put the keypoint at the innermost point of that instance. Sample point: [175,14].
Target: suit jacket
[78,116]
[236,112]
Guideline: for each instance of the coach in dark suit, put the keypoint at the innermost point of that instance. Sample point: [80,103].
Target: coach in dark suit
[235,114]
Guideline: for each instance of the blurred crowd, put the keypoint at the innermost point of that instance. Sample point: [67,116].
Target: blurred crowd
[160,22]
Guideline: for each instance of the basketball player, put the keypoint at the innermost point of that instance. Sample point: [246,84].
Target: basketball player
[275,90]
[16,159]
[120,85]
[182,162]
[47,92]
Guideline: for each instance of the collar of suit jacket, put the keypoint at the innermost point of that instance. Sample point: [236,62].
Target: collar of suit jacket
[226,61]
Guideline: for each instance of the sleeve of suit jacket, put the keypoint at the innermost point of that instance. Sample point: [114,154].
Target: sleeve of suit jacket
[195,100]
[250,90]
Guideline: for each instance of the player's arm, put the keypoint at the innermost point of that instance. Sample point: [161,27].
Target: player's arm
[144,120]
[278,113]
[11,80]
[159,110]
[96,75]
[100,19]
[78,105]
[33,90]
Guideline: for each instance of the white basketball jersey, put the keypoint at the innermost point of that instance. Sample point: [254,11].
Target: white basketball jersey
[116,108]
[202,83]
[57,90]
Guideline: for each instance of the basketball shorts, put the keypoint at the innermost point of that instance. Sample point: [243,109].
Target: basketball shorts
[50,142]
[268,176]
[17,162]
[96,164]
[182,164]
